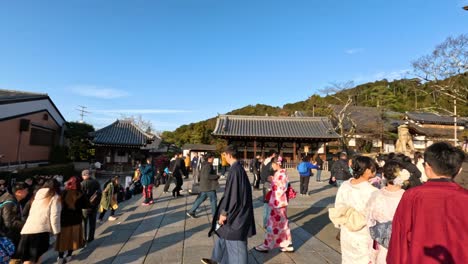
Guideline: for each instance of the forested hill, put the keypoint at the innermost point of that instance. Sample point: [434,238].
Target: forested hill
[399,95]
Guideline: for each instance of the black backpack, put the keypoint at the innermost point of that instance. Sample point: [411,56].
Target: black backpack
[136,188]
[120,194]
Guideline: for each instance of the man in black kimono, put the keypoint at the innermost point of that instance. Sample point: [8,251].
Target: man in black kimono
[234,219]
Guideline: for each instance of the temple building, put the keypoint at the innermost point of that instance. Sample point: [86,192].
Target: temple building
[428,128]
[292,137]
[121,142]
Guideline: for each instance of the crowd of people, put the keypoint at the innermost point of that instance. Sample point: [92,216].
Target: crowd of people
[44,206]
[384,207]
[412,216]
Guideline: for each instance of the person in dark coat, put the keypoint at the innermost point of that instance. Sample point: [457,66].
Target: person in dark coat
[194,164]
[179,170]
[170,177]
[265,172]
[11,219]
[256,171]
[89,187]
[208,185]
[71,237]
[319,162]
[340,170]
[234,220]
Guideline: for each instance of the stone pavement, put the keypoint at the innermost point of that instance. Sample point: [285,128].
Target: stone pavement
[162,233]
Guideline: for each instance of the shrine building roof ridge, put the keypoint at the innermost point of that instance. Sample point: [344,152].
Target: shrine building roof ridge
[432,118]
[274,127]
[266,117]
[121,133]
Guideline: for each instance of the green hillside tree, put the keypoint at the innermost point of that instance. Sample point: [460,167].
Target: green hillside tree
[77,134]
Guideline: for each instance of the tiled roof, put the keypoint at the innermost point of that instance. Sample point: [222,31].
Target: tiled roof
[368,120]
[431,132]
[199,147]
[10,96]
[274,127]
[431,118]
[154,146]
[121,133]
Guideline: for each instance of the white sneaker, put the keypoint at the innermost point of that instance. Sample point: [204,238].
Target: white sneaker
[112,218]
[60,260]
[68,258]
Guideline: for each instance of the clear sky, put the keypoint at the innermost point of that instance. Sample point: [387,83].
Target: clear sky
[176,62]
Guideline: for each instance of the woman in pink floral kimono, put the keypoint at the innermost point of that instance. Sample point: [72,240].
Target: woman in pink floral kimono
[277,233]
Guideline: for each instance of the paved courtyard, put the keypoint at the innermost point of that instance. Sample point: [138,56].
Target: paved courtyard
[162,233]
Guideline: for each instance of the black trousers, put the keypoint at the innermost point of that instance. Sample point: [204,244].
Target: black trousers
[101,215]
[178,186]
[304,182]
[168,183]
[89,224]
[256,181]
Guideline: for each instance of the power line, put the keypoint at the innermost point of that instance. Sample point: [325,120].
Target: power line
[83,112]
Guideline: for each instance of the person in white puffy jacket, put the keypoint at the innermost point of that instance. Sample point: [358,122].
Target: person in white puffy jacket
[43,220]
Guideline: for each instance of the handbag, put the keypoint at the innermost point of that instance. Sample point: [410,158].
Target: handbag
[290,192]
[157,182]
[267,196]
[347,217]
[95,198]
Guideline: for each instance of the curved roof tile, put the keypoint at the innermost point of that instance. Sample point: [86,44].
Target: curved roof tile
[121,133]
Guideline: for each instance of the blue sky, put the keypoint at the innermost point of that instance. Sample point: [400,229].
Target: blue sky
[176,62]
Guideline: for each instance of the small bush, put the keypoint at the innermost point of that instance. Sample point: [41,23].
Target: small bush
[59,155]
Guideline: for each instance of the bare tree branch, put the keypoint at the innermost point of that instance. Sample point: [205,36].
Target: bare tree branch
[138,120]
[443,67]
[341,118]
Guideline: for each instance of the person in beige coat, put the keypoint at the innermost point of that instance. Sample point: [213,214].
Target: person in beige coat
[43,220]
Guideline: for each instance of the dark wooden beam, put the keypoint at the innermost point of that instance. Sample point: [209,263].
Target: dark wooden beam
[245,151]
[255,147]
[294,151]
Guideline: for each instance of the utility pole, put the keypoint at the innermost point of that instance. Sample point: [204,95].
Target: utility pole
[455,136]
[83,112]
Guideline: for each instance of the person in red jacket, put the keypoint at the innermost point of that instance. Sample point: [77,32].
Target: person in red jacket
[430,223]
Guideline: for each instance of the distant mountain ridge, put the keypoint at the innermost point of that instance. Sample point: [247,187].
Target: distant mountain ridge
[398,95]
